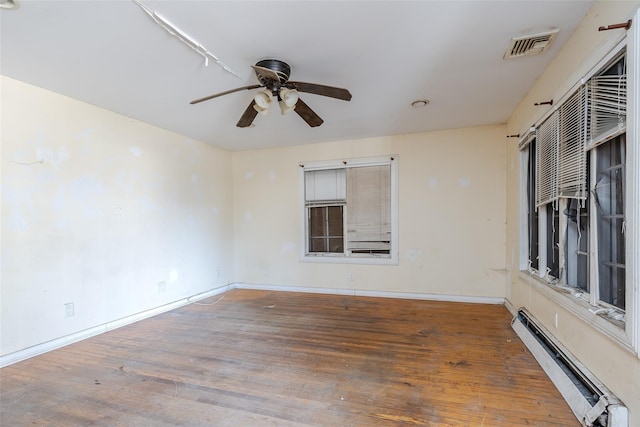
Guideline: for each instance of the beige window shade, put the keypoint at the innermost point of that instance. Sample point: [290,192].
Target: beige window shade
[369,209]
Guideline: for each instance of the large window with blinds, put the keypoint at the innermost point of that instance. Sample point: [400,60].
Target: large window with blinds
[575,166]
[350,209]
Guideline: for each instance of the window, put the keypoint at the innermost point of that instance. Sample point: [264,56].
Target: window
[574,172]
[350,209]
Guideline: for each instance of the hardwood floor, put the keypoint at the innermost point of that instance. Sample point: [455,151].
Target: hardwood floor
[261,358]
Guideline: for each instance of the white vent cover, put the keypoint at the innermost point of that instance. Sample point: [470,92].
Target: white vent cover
[530,45]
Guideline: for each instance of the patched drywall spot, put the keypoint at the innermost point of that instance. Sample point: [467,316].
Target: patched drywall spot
[412,254]
[61,199]
[433,182]
[248,216]
[136,151]
[248,175]
[47,177]
[84,133]
[146,205]
[271,175]
[173,276]
[86,188]
[287,247]
[194,178]
[215,211]
[20,207]
[464,182]
[117,215]
[53,157]
[123,181]
[23,157]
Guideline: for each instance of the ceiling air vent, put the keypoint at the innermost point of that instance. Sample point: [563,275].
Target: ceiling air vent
[530,45]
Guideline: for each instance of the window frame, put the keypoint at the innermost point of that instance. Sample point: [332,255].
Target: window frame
[344,258]
[625,332]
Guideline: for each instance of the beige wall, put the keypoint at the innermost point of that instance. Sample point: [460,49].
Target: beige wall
[96,210]
[616,366]
[451,215]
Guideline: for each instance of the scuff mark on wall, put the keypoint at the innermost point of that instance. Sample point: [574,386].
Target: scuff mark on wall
[248,175]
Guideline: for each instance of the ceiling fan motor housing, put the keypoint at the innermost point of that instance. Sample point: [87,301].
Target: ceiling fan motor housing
[279,67]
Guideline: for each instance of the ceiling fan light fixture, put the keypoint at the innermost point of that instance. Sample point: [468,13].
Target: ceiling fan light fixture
[263,100]
[288,100]
[9,4]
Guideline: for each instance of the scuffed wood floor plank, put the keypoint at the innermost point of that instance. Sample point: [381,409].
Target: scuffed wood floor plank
[262,358]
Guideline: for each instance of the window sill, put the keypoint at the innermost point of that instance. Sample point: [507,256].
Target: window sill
[612,328]
[339,259]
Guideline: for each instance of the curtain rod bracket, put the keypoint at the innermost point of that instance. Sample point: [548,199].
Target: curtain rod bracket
[550,102]
[516,135]
[625,25]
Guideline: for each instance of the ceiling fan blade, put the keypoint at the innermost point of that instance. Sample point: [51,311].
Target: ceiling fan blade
[227,92]
[330,91]
[248,116]
[307,114]
[266,73]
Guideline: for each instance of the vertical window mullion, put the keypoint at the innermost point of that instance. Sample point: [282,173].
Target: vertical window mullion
[542,240]
[594,294]
[562,241]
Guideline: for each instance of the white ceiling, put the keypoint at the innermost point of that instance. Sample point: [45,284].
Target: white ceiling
[387,53]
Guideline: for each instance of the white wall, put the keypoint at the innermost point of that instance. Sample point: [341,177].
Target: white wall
[614,364]
[97,209]
[451,215]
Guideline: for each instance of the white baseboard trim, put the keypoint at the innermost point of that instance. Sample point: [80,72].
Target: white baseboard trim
[366,293]
[36,350]
[509,306]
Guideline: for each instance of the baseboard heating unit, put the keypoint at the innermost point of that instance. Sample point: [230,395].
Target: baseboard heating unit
[591,402]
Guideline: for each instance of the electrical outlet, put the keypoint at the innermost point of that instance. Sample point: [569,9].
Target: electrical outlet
[351,279]
[68,309]
[162,287]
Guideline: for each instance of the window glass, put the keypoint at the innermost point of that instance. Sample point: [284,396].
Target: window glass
[609,194]
[325,229]
[532,211]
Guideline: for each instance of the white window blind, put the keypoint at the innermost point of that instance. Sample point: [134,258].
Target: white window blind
[608,105]
[547,156]
[325,186]
[572,160]
[369,209]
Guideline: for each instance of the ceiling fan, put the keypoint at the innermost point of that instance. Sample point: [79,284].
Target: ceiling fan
[273,75]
